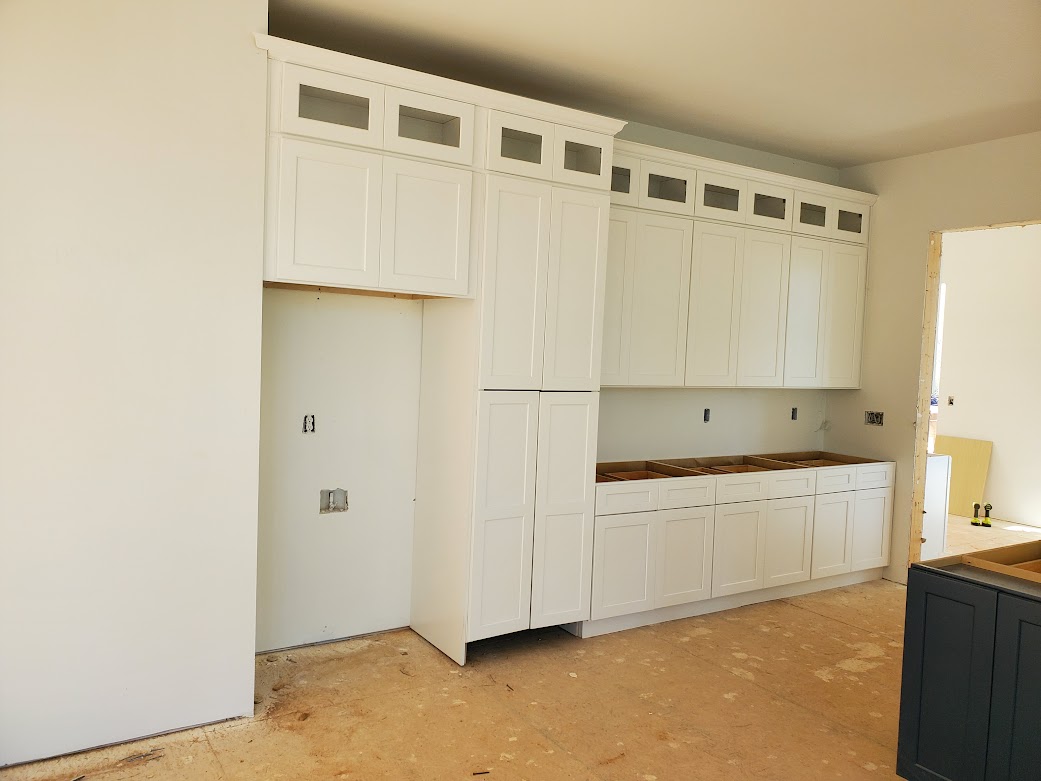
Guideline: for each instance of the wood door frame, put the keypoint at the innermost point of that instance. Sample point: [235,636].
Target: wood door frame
[925,378]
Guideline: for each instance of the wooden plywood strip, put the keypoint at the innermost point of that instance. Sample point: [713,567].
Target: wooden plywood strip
[970,462]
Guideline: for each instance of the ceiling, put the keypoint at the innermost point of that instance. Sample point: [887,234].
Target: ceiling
[828,81]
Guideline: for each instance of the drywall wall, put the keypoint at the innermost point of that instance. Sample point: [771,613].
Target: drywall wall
[990,361]
[640,423]
[981,184]
[731,153]
[131,225]
[353,362]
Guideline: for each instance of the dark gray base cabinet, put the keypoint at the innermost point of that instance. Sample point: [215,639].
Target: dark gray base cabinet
[970,706]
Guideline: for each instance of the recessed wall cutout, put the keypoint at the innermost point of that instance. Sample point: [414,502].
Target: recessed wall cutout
[708,413]
[872,418]
[795,413]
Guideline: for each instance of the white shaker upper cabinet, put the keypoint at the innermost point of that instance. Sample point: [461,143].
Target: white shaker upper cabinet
[330,106]
[429,126]
[513,288]
[520,145]
[721,197]
[659,298]
[770,206]
[667,188]
[715,305]
[814,215]
[807,291]
[564,504]
[764,309]
[581,157]
[326,215]
[504,514]
[575,290]
[618,304]
[425,241]
[625,180]
[851,221]
[844,315]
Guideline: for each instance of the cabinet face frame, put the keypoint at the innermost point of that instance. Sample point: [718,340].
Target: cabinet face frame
[631,197]
[638,557]
[787,194]
[707,179]
[500,122]
[297,77]
[458,280]
[618,297]
[524,309]
[562,137]
[396,99]
[688,176]
[491,557]
[285,263]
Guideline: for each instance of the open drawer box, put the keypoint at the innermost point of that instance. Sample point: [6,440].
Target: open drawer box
[1019,561]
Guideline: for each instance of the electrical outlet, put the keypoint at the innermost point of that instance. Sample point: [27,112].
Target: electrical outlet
[872,418]
[308,424]
[950,401]
[795,413]
[332,500]
[708,413]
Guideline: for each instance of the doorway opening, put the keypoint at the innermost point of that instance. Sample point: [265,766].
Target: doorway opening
[976,436]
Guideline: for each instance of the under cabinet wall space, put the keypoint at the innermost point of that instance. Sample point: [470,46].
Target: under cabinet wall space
[429,126]
[331,106]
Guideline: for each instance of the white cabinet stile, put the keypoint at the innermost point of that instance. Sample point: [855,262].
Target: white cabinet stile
[618,289]
[715,305]
[513,286]
[425,237]
[789,540]
[564,506]
[764,309]
[504,513]
[739,548]
[575,290]
[833,534]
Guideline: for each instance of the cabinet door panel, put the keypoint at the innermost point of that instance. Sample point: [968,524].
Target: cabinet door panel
[618,303]
[667,188]
[739,548]
[520,145]
[721,197]
[715,305]
[683,572]
[504,514]
[1015,751]
[945,698]
[625,180]
[814,215]
[764,309]
[789,540]
[328,215]
[844,316]
[872,524]
[851,221]
[804,334]
[582,157]
[513,286]
[660,288]
[575,290]
[770,206]
[833,534]
[331,106]
[564,504]
[429,126]
[425,241]
[623,564]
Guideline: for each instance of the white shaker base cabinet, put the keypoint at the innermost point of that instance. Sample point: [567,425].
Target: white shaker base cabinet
[425,239]
[504,513]
[872,525]
[833,534]
[327,214]
[789,540]
[564,506]
[739,547]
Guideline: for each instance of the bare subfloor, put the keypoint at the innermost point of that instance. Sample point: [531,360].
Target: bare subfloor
[804,688]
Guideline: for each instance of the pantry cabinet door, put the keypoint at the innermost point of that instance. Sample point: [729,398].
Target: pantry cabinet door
[715,305]
[844,316]
[683,571]
[327,215]
[575,290]
[660,291]
[764,309]
[872,525]
[504,513]
[618,297]
[833,534]
[623,564]
[804,334]
[426,228]
[564,505]
[513,285]
[739,548]
[789,540]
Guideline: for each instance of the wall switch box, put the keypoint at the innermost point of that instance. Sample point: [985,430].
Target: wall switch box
[708,413]
[950,401]
[872,418]
[333,500]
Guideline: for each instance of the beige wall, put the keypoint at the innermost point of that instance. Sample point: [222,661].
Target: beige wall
[990,358]
[981,184]
[131,228]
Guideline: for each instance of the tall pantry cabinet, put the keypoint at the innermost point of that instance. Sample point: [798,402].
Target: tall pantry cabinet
[510,395]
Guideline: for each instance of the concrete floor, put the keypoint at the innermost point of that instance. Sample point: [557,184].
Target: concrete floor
[804,688]
[963,537]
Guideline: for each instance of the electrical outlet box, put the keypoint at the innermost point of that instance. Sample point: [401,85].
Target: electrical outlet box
[333,500]
[950,401]
[872,418]
[795,413]
[708,414]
